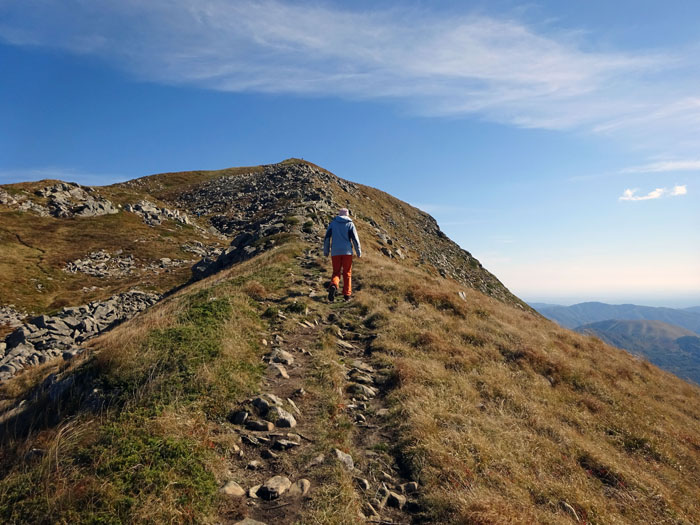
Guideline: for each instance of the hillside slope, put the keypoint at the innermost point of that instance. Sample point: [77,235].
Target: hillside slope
[670,347]
[435,396]
[592,312]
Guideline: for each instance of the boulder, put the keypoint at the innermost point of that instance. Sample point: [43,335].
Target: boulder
[233,489]
[274,487]
[261,404]
[396,500]
[409,488]
[239,417]
[360,377]
[281,417]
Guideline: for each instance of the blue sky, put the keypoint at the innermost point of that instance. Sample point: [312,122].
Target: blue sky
[559,142]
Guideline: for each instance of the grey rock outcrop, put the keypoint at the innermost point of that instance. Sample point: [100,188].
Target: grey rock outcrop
[102,264]
[28,205]
[11,317]
[72,200]
[201,250]
[46,337]
[154,215]
[258,208]
[6,199]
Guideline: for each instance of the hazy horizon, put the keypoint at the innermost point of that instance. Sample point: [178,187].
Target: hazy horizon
[669,302]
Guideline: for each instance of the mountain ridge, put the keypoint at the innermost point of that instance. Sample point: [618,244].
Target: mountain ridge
[434,396]
[594,311]
[670,347]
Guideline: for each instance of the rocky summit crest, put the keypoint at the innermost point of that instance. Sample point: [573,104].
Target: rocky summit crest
[256,208]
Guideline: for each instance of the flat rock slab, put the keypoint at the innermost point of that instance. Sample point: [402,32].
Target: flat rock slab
[279,370]
[362,366]
[360,377]
[284,444]
[275,399]
[259,426]
[361,390]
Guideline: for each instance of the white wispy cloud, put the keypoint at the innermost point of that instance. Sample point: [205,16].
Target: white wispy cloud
[631,194]
[436,63]
[679,190]
[665,166]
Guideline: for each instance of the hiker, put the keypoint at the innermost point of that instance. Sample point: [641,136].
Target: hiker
[341,233]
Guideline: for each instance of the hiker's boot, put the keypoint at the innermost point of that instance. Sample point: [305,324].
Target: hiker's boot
[347,298]
[332,289]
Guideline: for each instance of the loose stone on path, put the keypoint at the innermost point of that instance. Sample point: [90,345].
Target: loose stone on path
[300,488]
[279,370]
[274,487]
[345,459]
[283,419]
[281,356]
[231,488]
[249,521]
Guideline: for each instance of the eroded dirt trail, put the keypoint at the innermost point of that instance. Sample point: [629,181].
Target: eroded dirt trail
[284,455]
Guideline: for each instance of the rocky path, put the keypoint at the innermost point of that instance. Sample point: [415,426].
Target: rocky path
[279,456]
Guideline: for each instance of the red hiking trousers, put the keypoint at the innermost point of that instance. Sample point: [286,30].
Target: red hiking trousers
[342,264]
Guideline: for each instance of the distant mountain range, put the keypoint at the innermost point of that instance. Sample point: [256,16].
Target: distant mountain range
[593,312]
[667,337]
[669,347]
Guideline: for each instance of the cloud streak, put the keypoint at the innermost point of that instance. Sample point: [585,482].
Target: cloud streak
[431,62]
[665,166]
[631,194]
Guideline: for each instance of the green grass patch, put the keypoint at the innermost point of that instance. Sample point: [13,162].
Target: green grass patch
[297,307]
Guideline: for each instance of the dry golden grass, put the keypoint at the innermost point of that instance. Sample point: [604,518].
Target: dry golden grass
[501,415]
[34,250]
[507,418]
[158,452]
